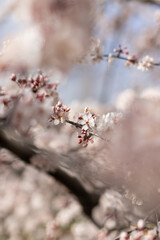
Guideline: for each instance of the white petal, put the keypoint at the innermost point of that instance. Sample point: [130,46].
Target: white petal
[92,122]
[81,122]
[56,121]
[85,127]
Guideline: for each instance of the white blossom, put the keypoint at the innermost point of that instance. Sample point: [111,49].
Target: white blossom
[123,236]
[140,224]
[146,63]
[87,120]
[60,113]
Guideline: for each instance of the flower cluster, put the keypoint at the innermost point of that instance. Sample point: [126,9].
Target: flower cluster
[85,137]
[39,84]
[121,49]
[31,102]
[91,124]
[141,232]
[87,122]
[96,53]
[60,113]
[146,63]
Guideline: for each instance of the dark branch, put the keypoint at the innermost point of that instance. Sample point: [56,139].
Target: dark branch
[87,200]
[21,149]
[26,152]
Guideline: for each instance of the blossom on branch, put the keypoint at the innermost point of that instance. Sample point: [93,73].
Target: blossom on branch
[60,113]
[146,63]
[89,125]
[39,85]
[87,120]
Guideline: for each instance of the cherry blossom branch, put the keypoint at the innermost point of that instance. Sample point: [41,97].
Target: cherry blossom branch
[97,54]
[131,59]
[118,56]
[80,126]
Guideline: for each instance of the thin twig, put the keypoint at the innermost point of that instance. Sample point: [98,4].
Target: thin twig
[74,124]
[80,126]
[118,56]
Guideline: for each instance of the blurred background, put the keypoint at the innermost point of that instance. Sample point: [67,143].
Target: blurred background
[28,198]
